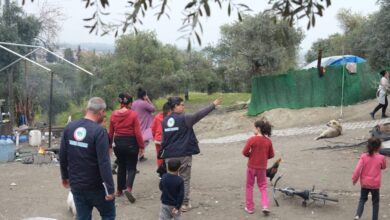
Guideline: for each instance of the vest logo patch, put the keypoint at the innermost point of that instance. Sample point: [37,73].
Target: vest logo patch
[171,122]
[80,133]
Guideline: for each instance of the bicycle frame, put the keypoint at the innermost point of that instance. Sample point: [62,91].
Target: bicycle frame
[306,195]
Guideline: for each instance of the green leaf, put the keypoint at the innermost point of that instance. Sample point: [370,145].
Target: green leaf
[104,3]
[239,16]
[328,3]
[207,9]
[91,18]
[93,27]
[189,5]
[198,38]
[229,9]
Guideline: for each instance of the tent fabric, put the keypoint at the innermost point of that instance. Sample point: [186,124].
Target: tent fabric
[303,88]
[335,60]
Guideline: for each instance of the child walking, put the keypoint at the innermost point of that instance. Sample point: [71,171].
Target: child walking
[368,170]
[258,149]
[172,188]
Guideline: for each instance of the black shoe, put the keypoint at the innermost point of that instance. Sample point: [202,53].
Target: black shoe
[130,196]
[372,115]
[384,116]
[114,172]
[142,159]
[136,171]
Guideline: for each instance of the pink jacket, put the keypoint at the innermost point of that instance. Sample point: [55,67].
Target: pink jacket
[369,170]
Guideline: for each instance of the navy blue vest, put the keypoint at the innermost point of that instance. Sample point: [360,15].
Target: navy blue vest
[178,139]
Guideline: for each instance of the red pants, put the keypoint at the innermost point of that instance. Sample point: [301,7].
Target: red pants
[159,161]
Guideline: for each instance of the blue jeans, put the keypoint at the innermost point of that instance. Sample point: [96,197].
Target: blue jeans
[375,202]
[85,201]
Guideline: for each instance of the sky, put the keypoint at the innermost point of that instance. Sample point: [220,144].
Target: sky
[167,29]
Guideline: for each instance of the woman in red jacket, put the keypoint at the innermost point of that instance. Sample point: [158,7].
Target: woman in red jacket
[157,130]
[126,137]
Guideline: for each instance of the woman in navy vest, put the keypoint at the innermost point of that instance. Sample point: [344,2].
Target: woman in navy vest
[179,140]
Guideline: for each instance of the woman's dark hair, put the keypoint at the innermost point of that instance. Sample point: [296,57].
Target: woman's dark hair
[173,101]
[166,108]
[141,93]
[125,98]
[373,145]
[383,72]
[264,126]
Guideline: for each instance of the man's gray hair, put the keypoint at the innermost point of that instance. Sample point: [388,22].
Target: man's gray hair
[96,104]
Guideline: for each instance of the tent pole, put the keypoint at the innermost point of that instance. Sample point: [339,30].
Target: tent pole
[342,93]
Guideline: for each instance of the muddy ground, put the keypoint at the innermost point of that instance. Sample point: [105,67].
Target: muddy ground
[218,178]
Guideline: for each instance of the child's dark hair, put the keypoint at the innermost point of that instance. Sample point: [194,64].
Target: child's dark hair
[173,101]
[264,126]
[166,108]
[373,145]
[383,72]
[141,93]
[174,165]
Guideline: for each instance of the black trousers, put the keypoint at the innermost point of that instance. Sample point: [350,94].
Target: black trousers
[126,151]
[383,106]
[375,202]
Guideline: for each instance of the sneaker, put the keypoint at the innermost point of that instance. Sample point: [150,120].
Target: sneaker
[266,211]
[372,115]
[113,172]
[356,217]
[130,196]
[249,211]
[186,207]
[384,116]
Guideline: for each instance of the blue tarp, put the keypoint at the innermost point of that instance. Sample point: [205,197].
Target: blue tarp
[336,60]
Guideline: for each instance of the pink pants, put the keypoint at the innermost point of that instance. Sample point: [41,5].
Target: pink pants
[260,175]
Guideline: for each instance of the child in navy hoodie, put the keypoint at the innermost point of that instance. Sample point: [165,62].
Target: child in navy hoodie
[172,188]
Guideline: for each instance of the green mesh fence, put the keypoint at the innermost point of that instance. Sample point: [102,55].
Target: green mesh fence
[303,88]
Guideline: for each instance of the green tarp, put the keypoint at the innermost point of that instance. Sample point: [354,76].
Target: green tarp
[304,88]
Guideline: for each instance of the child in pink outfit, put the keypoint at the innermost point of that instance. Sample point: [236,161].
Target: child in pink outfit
[368,170]
[258,149]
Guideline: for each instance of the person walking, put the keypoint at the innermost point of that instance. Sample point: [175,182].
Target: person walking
[85,163]
[172,192]
[259,150]
[369,171]
[381,94]
[179,140]
[157,135]
[126,138]
[144,109]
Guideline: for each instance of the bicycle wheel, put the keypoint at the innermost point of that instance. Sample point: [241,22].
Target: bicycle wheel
[323,197]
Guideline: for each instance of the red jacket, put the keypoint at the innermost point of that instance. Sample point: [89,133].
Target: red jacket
[369,170]
[157,127]
[124,122]
[259,149]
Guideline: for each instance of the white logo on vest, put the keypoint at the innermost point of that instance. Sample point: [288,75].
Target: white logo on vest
[80,133]
[171,122]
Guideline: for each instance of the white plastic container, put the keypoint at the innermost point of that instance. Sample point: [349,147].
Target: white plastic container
[35,138]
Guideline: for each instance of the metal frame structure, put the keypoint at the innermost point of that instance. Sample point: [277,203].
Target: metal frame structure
[24,57]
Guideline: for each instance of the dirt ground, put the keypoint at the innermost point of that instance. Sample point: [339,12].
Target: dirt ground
[218,175]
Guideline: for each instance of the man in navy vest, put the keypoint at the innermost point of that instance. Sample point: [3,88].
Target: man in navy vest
[85,163]
[179,140]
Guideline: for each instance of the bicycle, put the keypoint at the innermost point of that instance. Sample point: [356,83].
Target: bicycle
[306,195]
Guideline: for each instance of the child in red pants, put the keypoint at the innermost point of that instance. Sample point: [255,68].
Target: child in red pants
[157,133]
[258,149]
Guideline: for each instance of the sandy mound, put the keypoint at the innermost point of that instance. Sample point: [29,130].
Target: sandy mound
[217,125]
